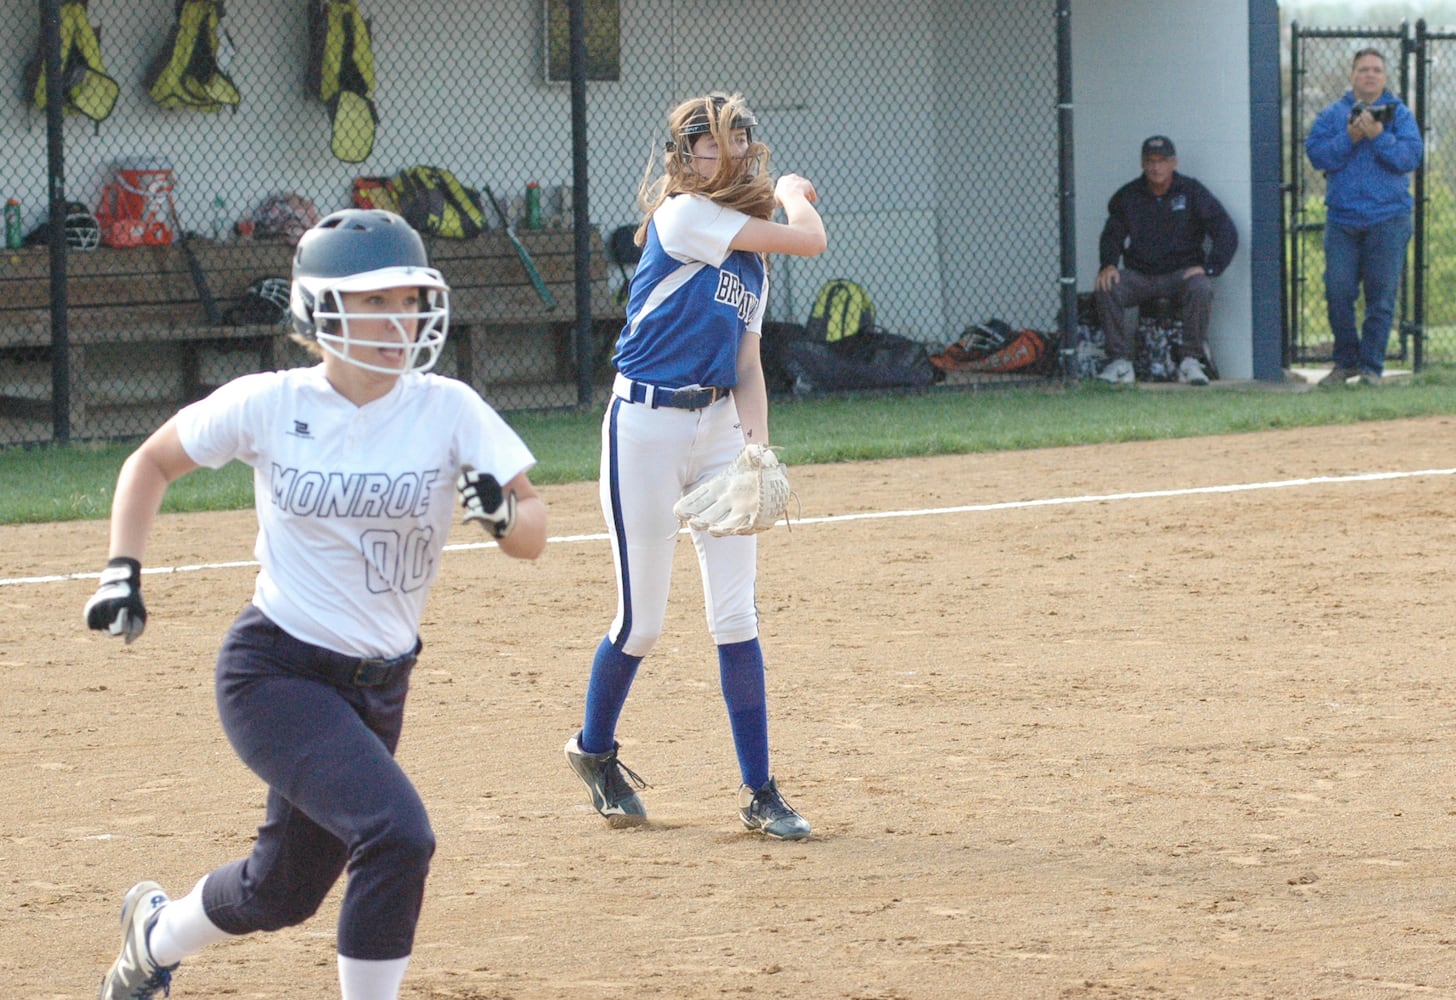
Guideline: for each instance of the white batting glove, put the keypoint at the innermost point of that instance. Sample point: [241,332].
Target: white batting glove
[484,501]
[116,608]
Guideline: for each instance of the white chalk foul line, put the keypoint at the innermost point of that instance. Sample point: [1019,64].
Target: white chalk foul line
[1361,477]
[1282,484]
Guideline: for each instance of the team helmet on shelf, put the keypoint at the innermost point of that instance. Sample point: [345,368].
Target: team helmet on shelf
[265,301]
[83,231]
[367,250]
[274,291]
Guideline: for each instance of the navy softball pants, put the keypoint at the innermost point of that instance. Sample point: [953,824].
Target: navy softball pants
[325,747]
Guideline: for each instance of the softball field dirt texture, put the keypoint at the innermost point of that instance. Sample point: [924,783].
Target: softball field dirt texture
[1078,724]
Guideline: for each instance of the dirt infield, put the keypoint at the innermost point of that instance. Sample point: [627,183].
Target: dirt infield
[1193,745]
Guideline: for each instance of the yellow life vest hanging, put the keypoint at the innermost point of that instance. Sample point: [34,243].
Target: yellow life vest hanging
[187,74]
[88,90]
[341,72]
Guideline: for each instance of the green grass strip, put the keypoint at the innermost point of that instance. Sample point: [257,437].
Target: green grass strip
[76,483]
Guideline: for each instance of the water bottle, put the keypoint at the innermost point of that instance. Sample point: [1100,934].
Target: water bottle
[533,205]
[219,218]
[13,236]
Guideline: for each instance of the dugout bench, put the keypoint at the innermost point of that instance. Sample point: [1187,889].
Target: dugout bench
[141,341]
[503,338]
[142,345]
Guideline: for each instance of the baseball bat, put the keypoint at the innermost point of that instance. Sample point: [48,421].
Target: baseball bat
[522,253]
[199,277]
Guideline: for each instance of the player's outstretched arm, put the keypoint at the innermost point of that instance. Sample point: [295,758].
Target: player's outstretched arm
[140,486]
[528,539]
[117,607]
[801,234]
[514,514]
[750,395]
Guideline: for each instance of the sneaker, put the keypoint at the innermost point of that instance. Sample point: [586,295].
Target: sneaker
[1370,378]
[1118,372]
[1190,371]
[607,779]
[134,976]
[1338,376]
[765,811]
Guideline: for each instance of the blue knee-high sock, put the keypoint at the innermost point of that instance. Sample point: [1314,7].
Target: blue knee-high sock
[740,669]
[606,693]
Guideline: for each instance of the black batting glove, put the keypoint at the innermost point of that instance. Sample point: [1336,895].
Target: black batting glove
[484,501]
[116,608]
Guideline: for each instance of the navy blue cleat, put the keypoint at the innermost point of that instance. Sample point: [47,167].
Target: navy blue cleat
[607,778]
[765,811]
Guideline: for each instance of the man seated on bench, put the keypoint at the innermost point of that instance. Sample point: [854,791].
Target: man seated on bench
[1174,238]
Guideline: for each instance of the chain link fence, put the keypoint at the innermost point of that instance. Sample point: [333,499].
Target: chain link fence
[1319,73]
[216,152]
[1436,189]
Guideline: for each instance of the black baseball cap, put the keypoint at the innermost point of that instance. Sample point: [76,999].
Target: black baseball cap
[1158,145]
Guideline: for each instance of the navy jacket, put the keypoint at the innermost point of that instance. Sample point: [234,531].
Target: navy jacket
[1160,235]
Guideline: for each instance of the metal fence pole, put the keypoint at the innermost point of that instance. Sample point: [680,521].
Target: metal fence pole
[56,164]
[1067,184]
[581,205]
[1294,282]
[1418,262]
[1403,325]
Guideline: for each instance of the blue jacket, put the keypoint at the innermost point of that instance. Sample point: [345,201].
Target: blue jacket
[1365,182]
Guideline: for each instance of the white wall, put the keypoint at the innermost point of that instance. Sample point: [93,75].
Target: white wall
[493,119]
[996,130]
[929,126]
[926,196]
[1177,68]
[856,125]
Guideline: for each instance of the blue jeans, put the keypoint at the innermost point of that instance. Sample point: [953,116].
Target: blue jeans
[1371,256]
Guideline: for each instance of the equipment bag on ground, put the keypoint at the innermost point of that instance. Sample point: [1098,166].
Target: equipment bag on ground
[1159,348]
[872,359]
[1088,353]
[994,347]
[842,308]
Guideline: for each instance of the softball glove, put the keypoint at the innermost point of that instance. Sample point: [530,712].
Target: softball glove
[749,496]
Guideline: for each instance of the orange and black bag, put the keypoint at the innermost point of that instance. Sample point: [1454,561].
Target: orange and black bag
[994,347]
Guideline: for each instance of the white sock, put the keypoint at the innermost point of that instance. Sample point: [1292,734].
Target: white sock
[183,928]
[361,979]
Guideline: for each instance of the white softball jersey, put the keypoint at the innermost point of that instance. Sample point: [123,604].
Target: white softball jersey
[354,503]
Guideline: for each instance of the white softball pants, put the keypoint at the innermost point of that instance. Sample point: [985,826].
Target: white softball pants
[650,458]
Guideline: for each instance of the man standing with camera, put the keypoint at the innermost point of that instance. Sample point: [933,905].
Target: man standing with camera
[1367,144]
[1174,237]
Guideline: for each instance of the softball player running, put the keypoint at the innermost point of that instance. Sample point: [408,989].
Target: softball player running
[357,462]
[688,395]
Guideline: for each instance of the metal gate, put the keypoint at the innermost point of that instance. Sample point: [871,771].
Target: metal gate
[1319,68]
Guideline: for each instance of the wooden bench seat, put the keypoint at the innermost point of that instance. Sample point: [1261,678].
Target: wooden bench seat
[137,328]
[502,331]
[141,343]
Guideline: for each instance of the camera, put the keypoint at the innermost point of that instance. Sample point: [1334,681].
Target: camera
[1383,113]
